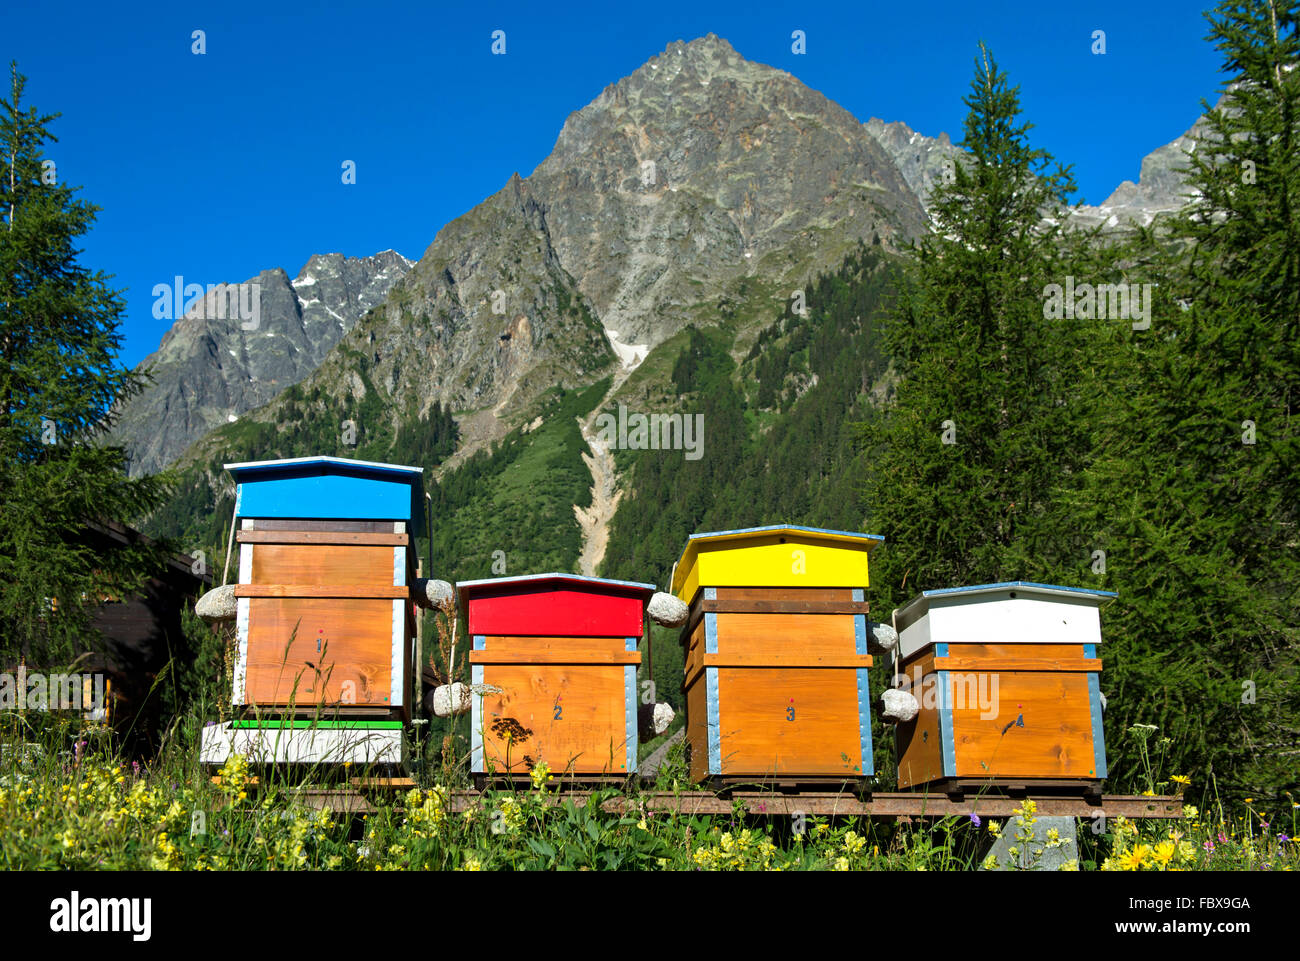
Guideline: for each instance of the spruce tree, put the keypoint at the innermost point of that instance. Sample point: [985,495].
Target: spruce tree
[989,417]
[1194,494]
[58,382]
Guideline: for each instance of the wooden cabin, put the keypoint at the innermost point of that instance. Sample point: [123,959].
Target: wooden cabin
[776,677]
[326,625]
[1007,677]
[553,664]
[137,635]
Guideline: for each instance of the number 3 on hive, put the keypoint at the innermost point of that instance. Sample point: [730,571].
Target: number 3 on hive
[789,713]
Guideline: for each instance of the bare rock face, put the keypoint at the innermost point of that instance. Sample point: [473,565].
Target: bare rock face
[923,161]
[702,167]
[1161,186]
[211,367]
[667,610]
[218,604]
[899,706]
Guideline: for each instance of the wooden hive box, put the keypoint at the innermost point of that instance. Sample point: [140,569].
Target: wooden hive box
[776,676]
[325,624]
[1007,678]
[560,651]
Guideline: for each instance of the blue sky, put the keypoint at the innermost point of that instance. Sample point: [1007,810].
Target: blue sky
[215,167]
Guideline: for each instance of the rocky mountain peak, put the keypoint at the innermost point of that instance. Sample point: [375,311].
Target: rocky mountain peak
[691,171]
[212,366]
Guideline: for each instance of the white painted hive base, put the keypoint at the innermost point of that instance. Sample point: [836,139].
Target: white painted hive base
[302,745]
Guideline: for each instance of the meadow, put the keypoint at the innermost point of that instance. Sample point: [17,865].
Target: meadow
[70,800]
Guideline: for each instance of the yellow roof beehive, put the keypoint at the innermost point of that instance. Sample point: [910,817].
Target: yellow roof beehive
[779,556]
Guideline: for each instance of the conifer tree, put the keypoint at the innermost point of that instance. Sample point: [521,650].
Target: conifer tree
[1195,492]
[58,382]
[989,415]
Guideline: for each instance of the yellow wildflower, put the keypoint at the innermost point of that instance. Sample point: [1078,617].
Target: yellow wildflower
[1163,853]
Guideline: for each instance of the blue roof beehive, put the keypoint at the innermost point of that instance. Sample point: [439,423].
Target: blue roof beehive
[329,488]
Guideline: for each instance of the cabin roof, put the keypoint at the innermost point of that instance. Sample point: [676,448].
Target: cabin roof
[710,538]
[469,588]
[920,604]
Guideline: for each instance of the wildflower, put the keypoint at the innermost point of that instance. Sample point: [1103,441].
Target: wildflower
[1190,812]
[471,864]
[1181,779]
[1070,865]
[1135,859]
[854,842]
[975,819]
[841,864]
[995,829]
[541,775]
[642,825]
[1163,853]
[990,862]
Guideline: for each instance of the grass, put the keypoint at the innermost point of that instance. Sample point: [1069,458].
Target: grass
[69,801]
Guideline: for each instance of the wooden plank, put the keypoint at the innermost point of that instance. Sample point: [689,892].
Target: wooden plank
[564,645]
[554,657]
[783,634]
[1039,726]
[846,804]
[796,722]
[920,744]
[321,537]
[323,591]
[396,783]
[739,596]
[796,659]
[1015,664]
[573,717]
[309,524]
[309,648]
[697,727]
[785,593]
[355,567]
[783,607]
[996,652]
[695,654]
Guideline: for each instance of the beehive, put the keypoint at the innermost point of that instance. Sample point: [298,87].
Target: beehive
[1007,677]
[554,664]
[776,676]
[325,624]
